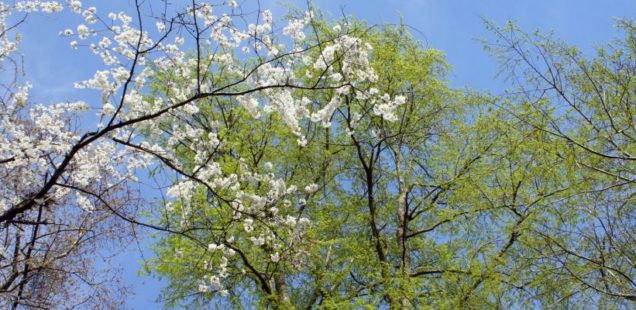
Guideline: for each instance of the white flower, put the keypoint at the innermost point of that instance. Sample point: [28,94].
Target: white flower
[105,42]
[275,257]
[311,188]
[84,203]
[212,247]
[51,7]
[22,95]
[83,31]
[161,27]
[108,109]
[90,19]
[290,220]
[248,225]
[258,241]
[121,74]
[76,6]
[203,288]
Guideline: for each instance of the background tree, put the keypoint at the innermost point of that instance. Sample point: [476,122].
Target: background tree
[586,103]
[48,253]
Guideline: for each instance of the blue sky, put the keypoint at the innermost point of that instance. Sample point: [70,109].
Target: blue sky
[452,26]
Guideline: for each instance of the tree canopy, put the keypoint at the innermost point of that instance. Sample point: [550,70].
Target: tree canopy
[312,163]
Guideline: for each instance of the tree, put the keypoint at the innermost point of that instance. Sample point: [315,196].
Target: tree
[47,252]
[374,184]
[586,103]
[49,168]
[444,200]
[322,164]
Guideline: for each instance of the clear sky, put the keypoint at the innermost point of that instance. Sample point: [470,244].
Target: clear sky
[452,26]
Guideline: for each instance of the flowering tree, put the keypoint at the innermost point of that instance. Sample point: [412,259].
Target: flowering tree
[449,200]
[372,186]
[54,176]
[307,163]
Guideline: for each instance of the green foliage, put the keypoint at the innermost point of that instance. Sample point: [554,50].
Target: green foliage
[465,202]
